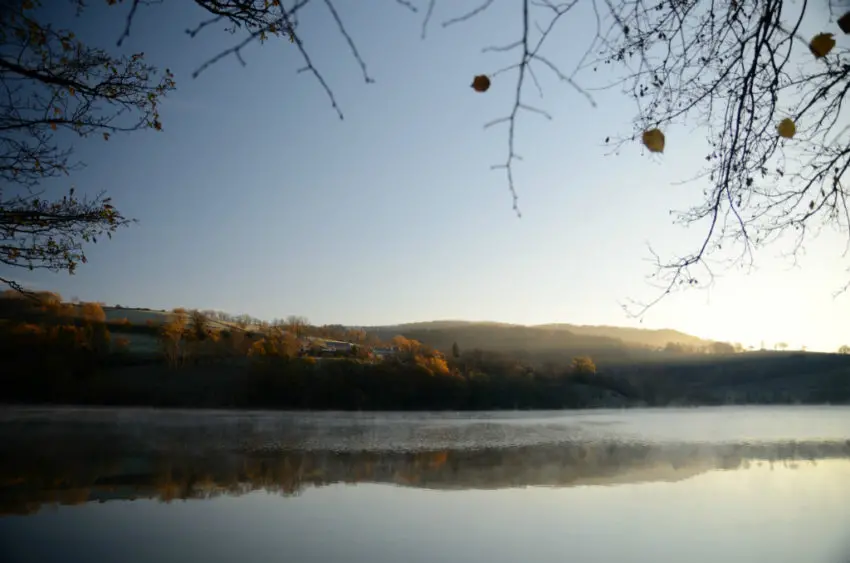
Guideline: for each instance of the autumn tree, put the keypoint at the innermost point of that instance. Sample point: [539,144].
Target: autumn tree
[92,312]
[296,325]
[52,83]
[56,88]
[200,325]
[582,365]
[172,336]
[276,344]
[407,348]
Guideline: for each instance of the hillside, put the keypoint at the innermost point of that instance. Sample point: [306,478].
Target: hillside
[88,354]
[655,338]
[544,342]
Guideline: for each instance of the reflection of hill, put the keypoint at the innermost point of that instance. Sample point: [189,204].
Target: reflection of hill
[68,473]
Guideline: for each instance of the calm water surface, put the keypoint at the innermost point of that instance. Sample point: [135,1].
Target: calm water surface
[766,485]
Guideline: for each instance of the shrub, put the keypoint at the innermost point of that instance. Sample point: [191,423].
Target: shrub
[92,312]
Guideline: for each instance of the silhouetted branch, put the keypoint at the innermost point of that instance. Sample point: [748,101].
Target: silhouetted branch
[428,13]
[350,42]
[131,16]
[469,15]
[739,68]
[530,52]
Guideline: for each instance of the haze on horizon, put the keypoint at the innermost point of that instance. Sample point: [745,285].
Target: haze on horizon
[257,199]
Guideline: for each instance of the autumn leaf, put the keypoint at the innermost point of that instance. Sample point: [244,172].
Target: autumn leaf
[821,44]
[786,128]
[654,140]
[481,83]
[53,125]
[106,136]
[844,23]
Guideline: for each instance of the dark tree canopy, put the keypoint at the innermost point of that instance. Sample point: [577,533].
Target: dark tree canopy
[769,100]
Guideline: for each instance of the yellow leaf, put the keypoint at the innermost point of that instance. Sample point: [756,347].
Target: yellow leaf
[786,128]
[481,83]
[654,140]
[821,44]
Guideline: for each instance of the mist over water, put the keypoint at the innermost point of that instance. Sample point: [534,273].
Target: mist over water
[708,484]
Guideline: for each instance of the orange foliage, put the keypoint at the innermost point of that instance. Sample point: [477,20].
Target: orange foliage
[279,345]
[583,365]
[92,312]
[65,336]
[435,364]
[28,329]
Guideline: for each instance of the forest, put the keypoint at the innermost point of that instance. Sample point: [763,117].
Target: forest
[56,352]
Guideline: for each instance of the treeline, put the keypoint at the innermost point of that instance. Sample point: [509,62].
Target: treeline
[58,352]
[54,352]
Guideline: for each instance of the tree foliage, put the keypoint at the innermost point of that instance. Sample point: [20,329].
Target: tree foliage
[56,88]
[769,101]
[583,365]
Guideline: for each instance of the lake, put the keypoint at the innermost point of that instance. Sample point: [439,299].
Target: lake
[763,484]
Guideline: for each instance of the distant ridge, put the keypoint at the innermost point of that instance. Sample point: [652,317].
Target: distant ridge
[548,341]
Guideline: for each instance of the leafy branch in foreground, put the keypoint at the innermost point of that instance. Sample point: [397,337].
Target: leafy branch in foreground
[770,100]
[54,88]
[771,103]
[41,234]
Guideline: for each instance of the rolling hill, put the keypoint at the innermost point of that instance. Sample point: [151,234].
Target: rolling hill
[544,342]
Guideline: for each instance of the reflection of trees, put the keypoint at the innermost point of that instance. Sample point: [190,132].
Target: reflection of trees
[73,476]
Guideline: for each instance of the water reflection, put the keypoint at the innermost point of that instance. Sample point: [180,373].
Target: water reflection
[702,486]
[70,471]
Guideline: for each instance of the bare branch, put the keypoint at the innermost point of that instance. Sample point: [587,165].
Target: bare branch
[427,19]
[469,15]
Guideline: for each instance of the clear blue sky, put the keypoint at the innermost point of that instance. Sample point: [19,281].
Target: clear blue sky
[256,198]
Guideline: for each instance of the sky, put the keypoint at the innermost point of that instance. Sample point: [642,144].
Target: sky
[256,198]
